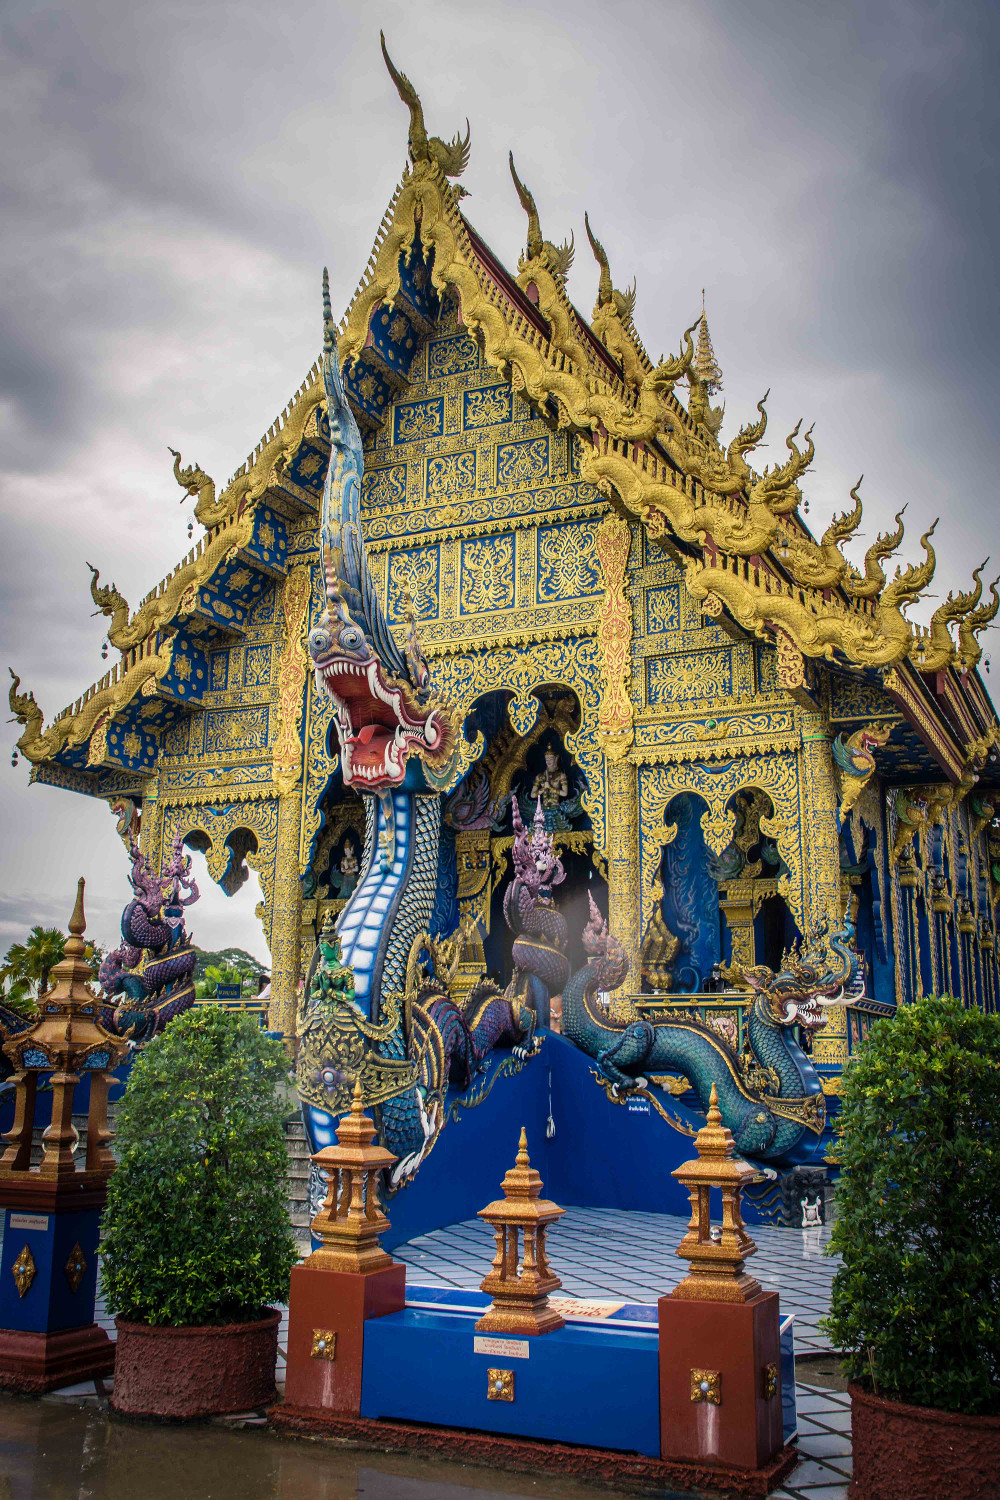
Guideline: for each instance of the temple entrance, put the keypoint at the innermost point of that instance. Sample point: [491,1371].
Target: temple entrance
[532,770]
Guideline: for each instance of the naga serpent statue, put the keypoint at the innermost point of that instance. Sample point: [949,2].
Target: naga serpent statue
[153,967]
[400,746]
[771,1099]
[539,954]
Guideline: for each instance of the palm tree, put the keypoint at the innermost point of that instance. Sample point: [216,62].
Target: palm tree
[33,961]
[216,974]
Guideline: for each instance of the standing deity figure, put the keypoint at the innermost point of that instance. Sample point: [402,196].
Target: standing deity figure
[345,878]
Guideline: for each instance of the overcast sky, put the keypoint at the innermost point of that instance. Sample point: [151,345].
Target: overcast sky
[176,175]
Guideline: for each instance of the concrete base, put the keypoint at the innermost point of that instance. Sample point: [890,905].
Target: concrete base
[334,1306]
[739,1343]
[38,1362]
[625,1471]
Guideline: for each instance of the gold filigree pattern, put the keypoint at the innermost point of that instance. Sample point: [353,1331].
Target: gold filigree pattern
[487,575]
[615,729]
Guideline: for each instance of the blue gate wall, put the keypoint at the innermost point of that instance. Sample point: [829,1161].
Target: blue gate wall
[601,1155]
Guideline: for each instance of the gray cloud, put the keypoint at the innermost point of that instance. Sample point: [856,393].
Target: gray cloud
[176,176]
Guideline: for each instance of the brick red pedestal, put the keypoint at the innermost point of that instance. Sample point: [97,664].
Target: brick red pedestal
[338,1303]
[38,1362]
[738,1341]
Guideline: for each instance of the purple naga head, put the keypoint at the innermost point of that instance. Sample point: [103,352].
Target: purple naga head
[144,882]
[535,861]
[602,945]
[177,884]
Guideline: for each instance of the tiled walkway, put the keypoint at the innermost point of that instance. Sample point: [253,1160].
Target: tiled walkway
[600,1252]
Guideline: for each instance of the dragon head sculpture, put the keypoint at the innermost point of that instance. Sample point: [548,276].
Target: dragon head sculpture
[387,710]
[815,974]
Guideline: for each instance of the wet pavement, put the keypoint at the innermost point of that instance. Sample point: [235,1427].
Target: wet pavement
[54,1449]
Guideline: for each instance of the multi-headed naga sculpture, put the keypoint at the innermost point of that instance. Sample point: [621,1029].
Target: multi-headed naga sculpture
[152,968]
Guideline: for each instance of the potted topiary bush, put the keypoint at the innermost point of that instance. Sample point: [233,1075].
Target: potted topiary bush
[196,1238]
[916,1301]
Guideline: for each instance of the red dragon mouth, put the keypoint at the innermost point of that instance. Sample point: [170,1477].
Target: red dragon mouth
[379,723]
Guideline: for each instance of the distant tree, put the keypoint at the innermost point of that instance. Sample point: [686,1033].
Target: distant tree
[32,962]
[17,996]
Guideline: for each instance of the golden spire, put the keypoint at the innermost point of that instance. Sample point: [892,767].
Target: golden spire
[558,258]
[705,364]
[452,157]
[624,302]
[520,1278]
[717,1259]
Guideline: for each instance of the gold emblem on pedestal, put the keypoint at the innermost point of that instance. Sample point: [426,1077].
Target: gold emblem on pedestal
[75,1267]
[324,1344]
[499,1385]
[23,1271]
[706,1385]
[769,1383]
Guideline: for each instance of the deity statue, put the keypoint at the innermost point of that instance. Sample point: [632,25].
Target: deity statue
[345,877]
[332,982]
[552,784]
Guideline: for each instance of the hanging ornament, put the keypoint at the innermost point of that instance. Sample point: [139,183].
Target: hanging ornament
[104,649]
[190,530]
[14,758]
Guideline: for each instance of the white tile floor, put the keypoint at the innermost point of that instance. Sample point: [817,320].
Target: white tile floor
[600,1252]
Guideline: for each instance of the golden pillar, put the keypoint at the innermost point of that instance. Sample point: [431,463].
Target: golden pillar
[288,772]
[286,916]
[616,735]
[821,851]
[622,851]
[821,894]
[738,908]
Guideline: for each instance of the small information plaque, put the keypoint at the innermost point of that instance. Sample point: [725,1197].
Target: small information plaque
[29,1221]
[506,1348]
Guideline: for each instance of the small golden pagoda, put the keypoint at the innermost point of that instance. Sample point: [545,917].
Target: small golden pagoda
[66,1040]
[717,1257]
[520,1283]
[351,1219]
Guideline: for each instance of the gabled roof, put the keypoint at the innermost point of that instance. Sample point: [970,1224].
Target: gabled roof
[748,555]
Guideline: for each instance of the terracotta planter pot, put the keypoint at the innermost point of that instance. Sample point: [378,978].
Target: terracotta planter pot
[181,1373]
[917,1453]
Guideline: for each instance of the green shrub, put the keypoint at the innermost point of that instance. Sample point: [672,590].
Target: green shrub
[196,1229]
[916,1302]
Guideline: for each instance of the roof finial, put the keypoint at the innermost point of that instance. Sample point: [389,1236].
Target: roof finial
[451,157]
[706,366]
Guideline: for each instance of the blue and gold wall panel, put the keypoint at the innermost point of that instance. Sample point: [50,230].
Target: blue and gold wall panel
[470,502]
